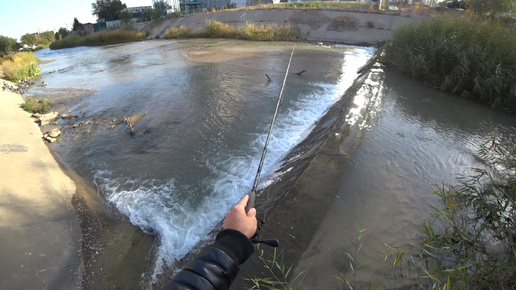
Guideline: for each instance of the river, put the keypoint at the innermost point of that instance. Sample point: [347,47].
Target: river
[206,107]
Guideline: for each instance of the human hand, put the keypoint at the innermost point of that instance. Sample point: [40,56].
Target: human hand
[238,219]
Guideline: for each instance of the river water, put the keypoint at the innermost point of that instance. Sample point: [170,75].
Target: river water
[207,105]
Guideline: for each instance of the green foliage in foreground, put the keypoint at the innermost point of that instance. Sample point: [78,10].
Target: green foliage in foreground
[19,66]
[103,37]
[250,31]
[466,56]
[39,106]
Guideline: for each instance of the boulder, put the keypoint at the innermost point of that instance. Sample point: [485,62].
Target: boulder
[68,116]
[45,119]
[51,136]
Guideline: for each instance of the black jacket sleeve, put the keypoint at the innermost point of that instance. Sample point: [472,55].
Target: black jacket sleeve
[217,265]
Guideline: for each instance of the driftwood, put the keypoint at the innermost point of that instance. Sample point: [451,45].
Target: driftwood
[131,121]
[130,126]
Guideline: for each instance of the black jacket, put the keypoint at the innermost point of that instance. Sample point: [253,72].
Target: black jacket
[217,265]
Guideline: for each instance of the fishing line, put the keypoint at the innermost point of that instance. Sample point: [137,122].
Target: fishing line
[252,195]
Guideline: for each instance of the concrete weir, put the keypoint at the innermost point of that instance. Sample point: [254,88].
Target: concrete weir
[356,28]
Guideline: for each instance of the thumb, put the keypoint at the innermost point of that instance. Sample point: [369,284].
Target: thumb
[251,213]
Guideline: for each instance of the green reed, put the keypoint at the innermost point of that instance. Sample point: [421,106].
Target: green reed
[470,56]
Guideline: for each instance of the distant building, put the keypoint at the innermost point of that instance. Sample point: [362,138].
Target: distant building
[199,6]
[88,27]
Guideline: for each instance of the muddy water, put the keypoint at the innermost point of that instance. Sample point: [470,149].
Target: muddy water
[403,139]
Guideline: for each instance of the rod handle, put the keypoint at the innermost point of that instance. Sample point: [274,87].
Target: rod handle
[250,202]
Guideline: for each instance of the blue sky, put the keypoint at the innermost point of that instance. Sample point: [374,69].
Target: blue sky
[18,17]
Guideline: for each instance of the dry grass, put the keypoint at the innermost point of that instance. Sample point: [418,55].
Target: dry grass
[19,66]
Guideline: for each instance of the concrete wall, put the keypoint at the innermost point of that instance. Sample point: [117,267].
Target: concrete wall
[312,25]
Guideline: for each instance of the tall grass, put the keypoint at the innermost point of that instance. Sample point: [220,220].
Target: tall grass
[250,31]
[267,32]
[316,5]
[20,66]
[103,37]
[467,56]
[279,274]
[178,32]
[218,29]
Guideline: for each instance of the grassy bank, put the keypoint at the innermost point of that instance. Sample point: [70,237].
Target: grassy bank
[99,38]
[19,66]
[471,57]
[250,31]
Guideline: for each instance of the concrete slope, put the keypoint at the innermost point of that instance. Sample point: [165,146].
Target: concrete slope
[40,236]
[312,25]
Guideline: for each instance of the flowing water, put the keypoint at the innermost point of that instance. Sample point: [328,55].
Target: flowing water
[207,105]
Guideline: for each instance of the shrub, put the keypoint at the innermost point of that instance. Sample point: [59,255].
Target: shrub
[471,57]
[20,66]
[39,106]
[178,32]
[266,32]
[218,29]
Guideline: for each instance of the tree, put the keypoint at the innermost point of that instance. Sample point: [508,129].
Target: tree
[7,45]
[77,26]
[61,33]
[108,9]
[160,8]
[126,16]
[45,38]
[28,39]
[147,14]
[489,8]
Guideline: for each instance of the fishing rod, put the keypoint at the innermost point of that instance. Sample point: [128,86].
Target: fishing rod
[252,195]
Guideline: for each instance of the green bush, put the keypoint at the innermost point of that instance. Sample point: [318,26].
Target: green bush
[466,56]
[39,106]
[20,66]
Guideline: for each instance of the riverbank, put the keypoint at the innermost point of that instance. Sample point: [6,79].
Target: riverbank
[347,27]
[57,233]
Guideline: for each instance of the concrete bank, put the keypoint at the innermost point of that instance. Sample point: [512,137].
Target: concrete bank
[40,232]
[313,25]
[56,231]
